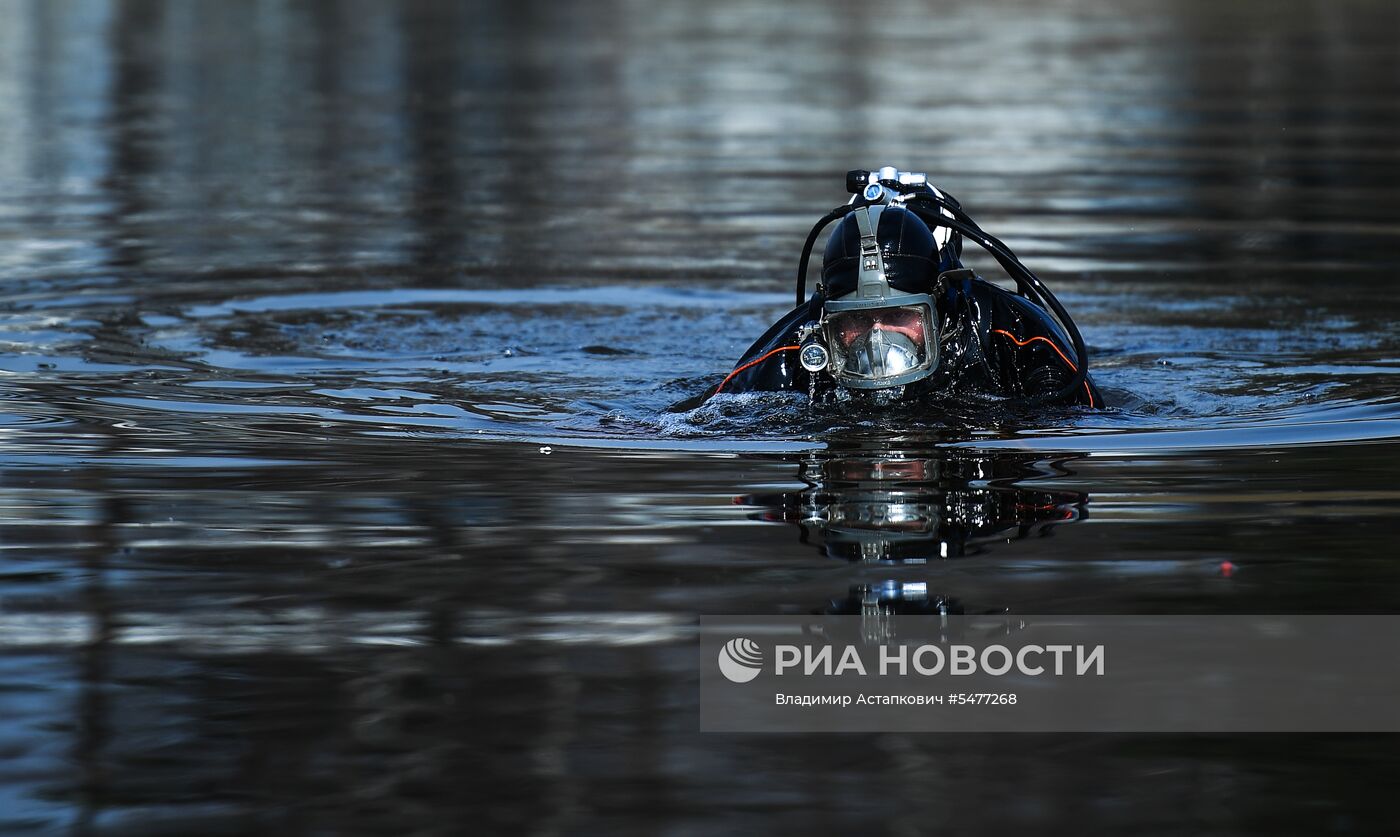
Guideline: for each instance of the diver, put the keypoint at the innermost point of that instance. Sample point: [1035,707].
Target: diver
[897,318]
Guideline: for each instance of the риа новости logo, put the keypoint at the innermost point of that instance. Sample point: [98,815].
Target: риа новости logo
[740,660]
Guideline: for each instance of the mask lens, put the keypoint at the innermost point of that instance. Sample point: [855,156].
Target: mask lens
[879,343]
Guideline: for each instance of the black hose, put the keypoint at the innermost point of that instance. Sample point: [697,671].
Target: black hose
[1025,280]
[838,212]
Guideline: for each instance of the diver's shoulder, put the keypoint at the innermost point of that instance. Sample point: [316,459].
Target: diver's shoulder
[966,282]
[988,289]
[990,292]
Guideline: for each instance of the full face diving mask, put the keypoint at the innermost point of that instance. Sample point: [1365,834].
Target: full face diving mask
[878,336]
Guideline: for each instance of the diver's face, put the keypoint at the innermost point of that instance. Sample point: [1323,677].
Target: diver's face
[906,321]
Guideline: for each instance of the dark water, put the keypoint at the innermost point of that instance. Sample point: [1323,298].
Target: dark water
[334,337]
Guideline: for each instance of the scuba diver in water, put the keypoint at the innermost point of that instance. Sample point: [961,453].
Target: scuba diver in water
[897,318]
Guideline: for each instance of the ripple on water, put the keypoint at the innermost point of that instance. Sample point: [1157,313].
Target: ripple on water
[604,363]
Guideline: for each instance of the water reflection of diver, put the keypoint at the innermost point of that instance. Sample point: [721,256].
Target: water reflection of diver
[896,316]
[888,505]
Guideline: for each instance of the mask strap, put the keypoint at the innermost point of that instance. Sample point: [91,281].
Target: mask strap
[872,265]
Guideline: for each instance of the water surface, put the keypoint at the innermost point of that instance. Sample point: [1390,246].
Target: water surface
[339,494]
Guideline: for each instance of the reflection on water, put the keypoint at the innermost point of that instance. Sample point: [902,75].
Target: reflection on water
[889,502]
[903,502]
[295,296]
[379,646]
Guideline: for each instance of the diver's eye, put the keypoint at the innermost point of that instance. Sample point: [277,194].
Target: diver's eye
[852,326]
[901,318]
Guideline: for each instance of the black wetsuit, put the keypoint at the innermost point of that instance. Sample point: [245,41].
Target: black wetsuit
[994,342]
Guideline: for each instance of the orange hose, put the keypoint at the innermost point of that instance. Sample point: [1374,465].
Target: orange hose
[1054,346]
[753,363]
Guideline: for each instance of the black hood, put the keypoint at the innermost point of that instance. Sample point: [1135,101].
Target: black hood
[911,255]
